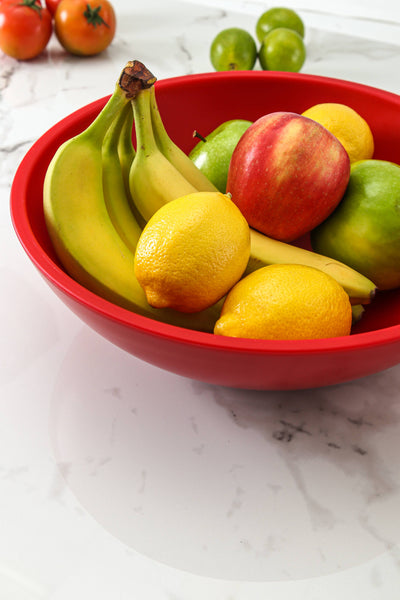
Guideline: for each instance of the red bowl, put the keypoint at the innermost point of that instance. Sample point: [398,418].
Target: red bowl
[202,102]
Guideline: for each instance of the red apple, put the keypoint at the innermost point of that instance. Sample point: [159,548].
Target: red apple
[287,174]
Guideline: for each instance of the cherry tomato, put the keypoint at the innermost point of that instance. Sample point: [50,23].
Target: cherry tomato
[85,27]
[25,28]
[52,6]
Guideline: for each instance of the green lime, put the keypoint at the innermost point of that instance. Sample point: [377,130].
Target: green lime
[364,230]
[282,50]
[278,17]
[233,49]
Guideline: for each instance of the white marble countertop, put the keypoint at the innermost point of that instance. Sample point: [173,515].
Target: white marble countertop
[121,481]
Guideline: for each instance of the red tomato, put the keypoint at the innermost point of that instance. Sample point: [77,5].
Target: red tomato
[25,28]
[52,5]
[85,27]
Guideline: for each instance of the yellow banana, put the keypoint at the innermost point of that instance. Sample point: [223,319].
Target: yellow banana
[80,227]
[114,189]
[153,179]
[174,154]
[127,153]
[266,251]
[126,150]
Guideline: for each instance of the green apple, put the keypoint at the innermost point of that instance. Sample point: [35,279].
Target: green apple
[364,230]
[213,153]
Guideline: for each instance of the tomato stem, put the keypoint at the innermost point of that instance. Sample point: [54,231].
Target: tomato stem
[32,4]
[93,17]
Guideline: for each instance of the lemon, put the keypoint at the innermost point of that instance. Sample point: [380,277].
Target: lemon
[278,16]
[286,302]
[192,251]
[351,129]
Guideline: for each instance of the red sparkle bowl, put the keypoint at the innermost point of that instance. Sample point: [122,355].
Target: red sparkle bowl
[202,102]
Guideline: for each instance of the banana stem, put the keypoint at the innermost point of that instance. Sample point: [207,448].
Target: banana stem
[125,144]
[133,78]
[114,188]
[126,150]
[173,153]
[100,125]
[112,137]
[145,139]
[160,133]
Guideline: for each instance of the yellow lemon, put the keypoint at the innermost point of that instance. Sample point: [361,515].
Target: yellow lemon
[347,125]
[286,302]
[192,251]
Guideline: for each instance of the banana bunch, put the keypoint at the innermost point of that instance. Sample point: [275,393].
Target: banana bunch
[88,210]
[99,192]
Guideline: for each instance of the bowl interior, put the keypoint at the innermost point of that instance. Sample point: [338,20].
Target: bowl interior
[202,102]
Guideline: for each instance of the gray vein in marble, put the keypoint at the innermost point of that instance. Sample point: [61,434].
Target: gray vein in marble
[218,15]
[11,148]
[14,473]
[320,516]
[237,501]
[323,413]
[183,49]
[331,20]
[7,70]
[199,449]
[194,425]
[331,15]
[388,543]
[142,483]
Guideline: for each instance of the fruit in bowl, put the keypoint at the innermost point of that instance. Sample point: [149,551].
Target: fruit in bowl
[192,252]
[196,244]
[364,230]
[212,154]
[287,174]
[260,364]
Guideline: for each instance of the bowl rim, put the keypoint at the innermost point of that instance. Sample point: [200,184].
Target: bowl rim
[58,278]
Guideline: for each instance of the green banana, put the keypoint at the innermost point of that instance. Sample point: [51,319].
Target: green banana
[114,189]
[153,179]
[79,223]
[173,153]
